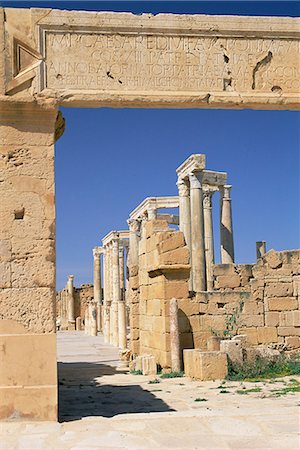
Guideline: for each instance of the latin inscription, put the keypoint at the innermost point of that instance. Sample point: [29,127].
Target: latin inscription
[114,62]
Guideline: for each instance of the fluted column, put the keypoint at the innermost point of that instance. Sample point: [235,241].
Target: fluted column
[197,234]
[97,276]
[227,251]
[107,299]
[71,304]
[121,264]
[208,238]
[185,218]
[116,289]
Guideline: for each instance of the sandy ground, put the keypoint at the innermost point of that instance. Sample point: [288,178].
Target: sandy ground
[101,407]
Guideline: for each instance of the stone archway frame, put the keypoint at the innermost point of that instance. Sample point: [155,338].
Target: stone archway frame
[88,59]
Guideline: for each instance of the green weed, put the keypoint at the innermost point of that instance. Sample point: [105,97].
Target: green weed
[248,391]
[172,375]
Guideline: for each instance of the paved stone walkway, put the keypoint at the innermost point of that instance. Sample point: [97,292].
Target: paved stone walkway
[103,408]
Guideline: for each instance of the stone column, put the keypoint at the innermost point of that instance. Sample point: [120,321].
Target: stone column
[116,290]
[260,249]
[227,252]
[208,238]
[71,303]
[93,319]
[174,336]
[121,264]
[197,234]
[185,218]
[97,276]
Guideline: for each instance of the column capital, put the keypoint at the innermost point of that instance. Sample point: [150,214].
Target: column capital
[97,251]
[207,199]
[195,182]
[151,212]
[133,225]
[226,191]
[183,188]
[71,278]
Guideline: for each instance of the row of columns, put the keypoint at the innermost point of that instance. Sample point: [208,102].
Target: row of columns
[114,307]
[195,219]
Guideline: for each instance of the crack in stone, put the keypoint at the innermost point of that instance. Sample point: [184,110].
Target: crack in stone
[261,63]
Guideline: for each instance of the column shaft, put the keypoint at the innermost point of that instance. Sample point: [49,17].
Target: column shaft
[116,289]
[97,276]
[227,251]
[197,235]
[185,218]
[208,238]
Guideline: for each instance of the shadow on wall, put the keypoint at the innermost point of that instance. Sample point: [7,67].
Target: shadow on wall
[80,396]
[185,333]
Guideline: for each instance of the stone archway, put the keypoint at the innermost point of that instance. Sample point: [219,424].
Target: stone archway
[86,59]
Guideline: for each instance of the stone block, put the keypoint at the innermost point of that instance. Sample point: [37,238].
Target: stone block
[154,226]
[134,282]
[253,307]
[230,281]
[233,349]
[279,290]
[251,334]
[34,308]
[288,331]
[178,256]
[200,339]
[149,365]
[224,270]
[282,304]
[205,366]
[267,335]
[28,376]
[273,259]
[292,342]
[212,323]
[272,319]
[251,320]
[213,343]
[176,240]
[154,307]
[296,286]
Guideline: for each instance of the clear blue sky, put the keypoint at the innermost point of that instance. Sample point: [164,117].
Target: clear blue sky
[109,160]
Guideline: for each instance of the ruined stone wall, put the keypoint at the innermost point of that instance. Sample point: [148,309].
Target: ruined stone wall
[271,314]
[82,296]
[259,300]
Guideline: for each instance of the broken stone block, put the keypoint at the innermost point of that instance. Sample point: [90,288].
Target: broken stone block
[149,365]
[233,349]
[205,366]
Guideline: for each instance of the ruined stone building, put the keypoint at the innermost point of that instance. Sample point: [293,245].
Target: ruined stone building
[136,311]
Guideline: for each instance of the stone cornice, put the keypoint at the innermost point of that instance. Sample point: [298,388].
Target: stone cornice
[153,203]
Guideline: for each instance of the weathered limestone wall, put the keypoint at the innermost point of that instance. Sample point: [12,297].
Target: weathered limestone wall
[27,259]
[260,301]
[271,315]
